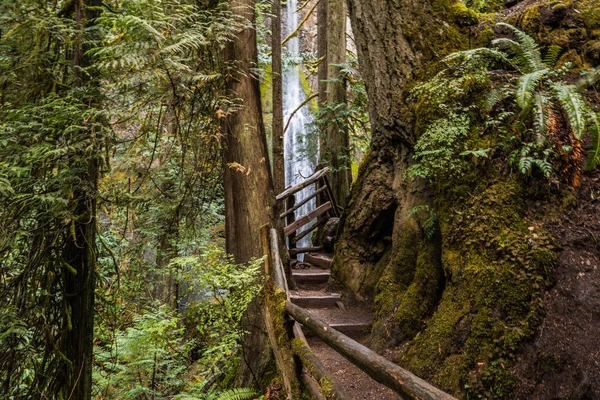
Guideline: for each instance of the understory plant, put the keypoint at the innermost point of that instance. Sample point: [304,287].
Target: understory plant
[160,355]
[511,93]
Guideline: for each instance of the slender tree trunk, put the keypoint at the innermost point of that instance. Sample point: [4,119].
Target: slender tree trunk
[277,73]
[249,199]
[80,246]
[335,146]
[322,54]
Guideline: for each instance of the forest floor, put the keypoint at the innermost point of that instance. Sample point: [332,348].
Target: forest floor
[356,383]
[563,361]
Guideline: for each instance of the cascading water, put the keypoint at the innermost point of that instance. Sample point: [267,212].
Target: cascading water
[299,162]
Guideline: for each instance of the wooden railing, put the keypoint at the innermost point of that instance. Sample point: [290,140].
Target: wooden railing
[327,209]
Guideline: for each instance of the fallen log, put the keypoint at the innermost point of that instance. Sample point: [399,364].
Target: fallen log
[377,367]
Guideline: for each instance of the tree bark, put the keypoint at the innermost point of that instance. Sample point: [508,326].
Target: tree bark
[249,199]
[277,74]
[335,151]
[379,235]
[322,54]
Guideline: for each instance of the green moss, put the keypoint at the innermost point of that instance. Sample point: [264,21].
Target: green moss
[463,15]
[497,267]
[531,19]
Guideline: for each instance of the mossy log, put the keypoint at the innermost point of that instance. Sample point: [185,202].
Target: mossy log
[398,379]
[329,386]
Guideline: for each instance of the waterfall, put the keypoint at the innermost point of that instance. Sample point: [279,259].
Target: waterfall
[299,162]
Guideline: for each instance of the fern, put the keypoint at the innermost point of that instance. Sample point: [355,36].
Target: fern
[528,56]
[526,87]
[593,157]
[540,117]
[573,105]
[237,394]
[552,56]
[494,97]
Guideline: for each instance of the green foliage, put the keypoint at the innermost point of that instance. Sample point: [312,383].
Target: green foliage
[155,355]
[553,117]
[229,394]
[219,292]
[145,113]
[437,150]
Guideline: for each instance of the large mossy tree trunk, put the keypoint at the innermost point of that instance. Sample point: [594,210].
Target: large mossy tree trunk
[382,249]
[249,198]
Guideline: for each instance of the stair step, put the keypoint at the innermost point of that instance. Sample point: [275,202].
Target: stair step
[320,260]
[317,301]
[311,277]
[351,329]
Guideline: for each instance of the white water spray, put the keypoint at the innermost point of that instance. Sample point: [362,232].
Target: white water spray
[298,161]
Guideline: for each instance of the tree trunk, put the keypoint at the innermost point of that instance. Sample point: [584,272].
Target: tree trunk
[277,134]
[322,54]
[80,245]
[380,237]
[249,199]
[335,152]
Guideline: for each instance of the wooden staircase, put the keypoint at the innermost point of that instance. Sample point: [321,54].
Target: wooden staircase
[313,294]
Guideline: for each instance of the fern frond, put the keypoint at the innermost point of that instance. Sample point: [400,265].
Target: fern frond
[530,50]
[474,55]
[540,120]
[573,105]
[494,97]
[593,156]
[526,54]
[552,56]
[237,394]
[526,88]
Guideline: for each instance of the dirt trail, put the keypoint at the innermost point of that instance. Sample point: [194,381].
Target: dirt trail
[350,321]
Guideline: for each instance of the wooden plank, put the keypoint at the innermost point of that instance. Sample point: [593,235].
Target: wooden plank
[293,227]
[278,271]
[308,181]
[311,277]
[307,231]
[300,250]
[377,367]
[325,301]
[284,365]
[303,202]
